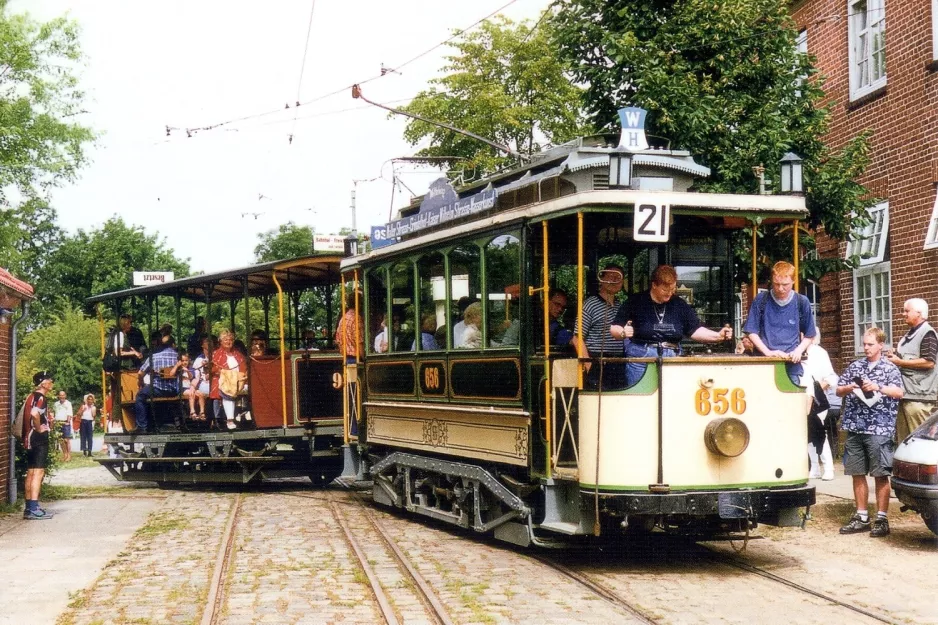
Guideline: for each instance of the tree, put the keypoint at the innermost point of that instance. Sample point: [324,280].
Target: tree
[287,241]
[504,83]
[70,348]
[103,260]
[38,93]
[41,147]
[722,79]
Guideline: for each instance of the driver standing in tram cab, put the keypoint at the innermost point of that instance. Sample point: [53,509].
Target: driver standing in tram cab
[659,318]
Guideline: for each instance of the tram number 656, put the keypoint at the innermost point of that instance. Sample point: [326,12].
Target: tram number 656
[720,401]
[431,378]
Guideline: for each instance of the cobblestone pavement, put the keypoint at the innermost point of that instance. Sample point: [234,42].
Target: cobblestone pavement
[162,575]
[291,563]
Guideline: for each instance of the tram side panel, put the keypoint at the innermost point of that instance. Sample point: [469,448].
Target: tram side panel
[758,394]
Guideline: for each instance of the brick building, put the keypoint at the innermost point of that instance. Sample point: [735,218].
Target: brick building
[879,59]
[12,293]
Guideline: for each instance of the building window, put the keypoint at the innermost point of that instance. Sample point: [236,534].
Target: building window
[867,19]
[870,244]
[934,29]
[931,239]
[872,303]
[801,47]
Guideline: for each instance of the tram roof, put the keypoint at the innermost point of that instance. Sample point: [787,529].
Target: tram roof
[292,274]
[768,208]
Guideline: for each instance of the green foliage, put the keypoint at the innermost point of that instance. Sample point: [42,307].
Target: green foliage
[42,146]
[505,83]
[39,92]
[722,79]
[70,349]
[287,241]
[102,260]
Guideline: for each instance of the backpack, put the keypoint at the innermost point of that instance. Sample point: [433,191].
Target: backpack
[111,361]
[18,423]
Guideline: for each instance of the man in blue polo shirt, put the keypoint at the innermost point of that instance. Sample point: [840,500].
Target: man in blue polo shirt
[780,322]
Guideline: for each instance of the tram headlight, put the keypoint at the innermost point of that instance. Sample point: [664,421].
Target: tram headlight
[726,436]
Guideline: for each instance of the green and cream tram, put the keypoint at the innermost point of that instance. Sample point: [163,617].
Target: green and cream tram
[500,433]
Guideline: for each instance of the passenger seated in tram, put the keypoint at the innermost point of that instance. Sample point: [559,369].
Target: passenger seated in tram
[560,336]
[200,381]
[187,376]
[259,346]
[162,359]
[427,332]
[472,335]
[460,326]
[383,339]
[659,320]
[227,363]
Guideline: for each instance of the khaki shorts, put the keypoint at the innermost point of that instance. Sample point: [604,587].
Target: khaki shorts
[912,413]
[868,454]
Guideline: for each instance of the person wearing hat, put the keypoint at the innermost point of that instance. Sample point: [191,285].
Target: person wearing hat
[36,442]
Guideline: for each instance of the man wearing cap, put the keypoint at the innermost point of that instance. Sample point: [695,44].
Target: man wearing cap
[36,442]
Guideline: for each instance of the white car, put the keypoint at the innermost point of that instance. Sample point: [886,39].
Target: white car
[915,472]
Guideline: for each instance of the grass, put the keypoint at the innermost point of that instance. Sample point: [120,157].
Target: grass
[80,461]
[160,523]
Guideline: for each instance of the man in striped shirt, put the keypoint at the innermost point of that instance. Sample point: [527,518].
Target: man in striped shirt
[595,341]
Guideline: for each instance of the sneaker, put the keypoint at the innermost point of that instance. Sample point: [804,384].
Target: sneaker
[37,515]
[880,528]
[857,525]
[814,475]
[827,477]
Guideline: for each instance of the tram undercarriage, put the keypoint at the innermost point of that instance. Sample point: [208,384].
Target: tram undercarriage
[470,496]
[227,457]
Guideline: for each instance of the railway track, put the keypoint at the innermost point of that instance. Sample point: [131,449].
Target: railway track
[432,604]
[727,560]
[214,604]
[598,588]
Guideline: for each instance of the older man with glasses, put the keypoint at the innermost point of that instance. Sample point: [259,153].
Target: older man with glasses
[780,322]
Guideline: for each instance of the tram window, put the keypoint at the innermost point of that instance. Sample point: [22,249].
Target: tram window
[465,287]
[432,291]
[503,290]
[379,339]
[402,303]
[703,288]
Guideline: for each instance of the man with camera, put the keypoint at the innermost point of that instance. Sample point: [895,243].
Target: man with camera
[871,388]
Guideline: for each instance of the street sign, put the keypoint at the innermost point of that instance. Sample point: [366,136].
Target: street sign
[147,278]
[328,243]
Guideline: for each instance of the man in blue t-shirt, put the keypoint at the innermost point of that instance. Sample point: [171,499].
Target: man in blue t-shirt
[780,322]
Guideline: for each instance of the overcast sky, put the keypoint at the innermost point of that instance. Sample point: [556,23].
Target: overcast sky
[196,63]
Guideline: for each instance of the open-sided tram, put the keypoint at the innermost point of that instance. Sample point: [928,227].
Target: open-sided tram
[290,410]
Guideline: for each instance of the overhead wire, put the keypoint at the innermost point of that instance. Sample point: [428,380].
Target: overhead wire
[192,131]
[299,84]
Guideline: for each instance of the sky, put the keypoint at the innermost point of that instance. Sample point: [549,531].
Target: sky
[198,63]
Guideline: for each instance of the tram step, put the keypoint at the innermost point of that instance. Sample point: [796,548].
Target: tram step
[561,528]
